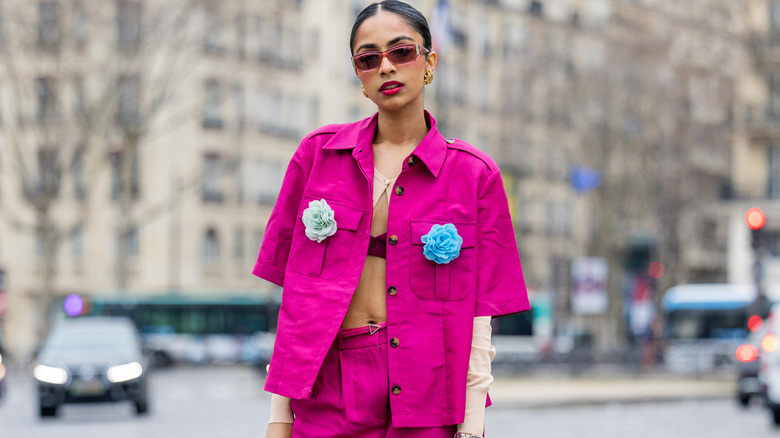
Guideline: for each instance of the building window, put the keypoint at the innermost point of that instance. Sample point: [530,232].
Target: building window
[128,24]
[773,191]
[535,8]
[118,171]
[79,182]
[775,96]
[258,238]
[48,25]
[128,244]
[80,99]
[239,175]
[524,213]
[46,100]
[267,181]
[279,114]
[212,190]
[39,243]
[48,178]
[241,35]
[77,243]
[212,36]
[210,248]
[79,26]
[278,45]
[128,102]
[239,98]
[238,245]
[212,117]
[775,22]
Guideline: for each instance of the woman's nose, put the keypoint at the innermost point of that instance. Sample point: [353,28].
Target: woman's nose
[386,66]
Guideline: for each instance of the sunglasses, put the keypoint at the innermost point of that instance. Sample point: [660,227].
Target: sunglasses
[402,54]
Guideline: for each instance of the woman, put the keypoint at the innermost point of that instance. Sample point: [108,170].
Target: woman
[395,247]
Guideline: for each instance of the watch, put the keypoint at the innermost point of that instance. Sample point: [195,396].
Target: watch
[466,435]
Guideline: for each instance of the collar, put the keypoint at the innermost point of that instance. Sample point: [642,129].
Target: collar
[430,151]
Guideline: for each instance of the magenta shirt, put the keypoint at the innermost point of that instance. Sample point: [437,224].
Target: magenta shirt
[430,307]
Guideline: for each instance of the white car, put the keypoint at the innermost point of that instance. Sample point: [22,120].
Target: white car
[769,363]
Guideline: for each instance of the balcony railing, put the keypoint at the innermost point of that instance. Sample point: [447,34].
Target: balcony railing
[762,122]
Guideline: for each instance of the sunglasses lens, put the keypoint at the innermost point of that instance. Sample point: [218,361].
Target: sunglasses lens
[367,61]
[402,54]
[398,55]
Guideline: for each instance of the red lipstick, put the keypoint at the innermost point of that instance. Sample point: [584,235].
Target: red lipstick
[391,87]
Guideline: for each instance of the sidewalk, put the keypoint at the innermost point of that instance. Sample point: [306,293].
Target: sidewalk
[563,390]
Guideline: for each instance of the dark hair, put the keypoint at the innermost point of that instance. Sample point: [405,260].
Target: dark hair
[408,13]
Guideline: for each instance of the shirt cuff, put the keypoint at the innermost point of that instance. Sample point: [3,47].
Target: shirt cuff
[280,410]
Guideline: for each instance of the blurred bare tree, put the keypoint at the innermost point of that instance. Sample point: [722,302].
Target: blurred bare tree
[85,81]
[645,100]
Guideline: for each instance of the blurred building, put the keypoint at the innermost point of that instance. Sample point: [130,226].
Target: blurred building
[143,143]
[756,153]
[612,122]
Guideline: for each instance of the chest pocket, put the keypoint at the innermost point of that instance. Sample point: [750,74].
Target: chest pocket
[451,281]
[327,259]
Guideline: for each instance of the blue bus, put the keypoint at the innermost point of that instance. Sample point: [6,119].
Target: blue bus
[705,323]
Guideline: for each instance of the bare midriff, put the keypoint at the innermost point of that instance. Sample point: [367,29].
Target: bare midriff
[368,304]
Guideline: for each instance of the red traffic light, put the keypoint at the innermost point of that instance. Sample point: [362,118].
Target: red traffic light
[755,218]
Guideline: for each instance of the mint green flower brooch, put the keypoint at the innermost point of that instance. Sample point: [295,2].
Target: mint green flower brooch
[319,220]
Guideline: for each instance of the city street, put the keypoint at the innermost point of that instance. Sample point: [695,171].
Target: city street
[229,402]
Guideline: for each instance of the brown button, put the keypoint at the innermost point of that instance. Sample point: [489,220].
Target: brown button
[411,161]
[393,239]
[396,389]
[394,342]
[392,290]
[399,190]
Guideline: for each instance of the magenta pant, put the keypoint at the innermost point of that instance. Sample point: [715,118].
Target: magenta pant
[351,397]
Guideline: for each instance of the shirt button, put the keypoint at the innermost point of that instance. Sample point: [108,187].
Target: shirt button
[450,141]
[399,190]
[393,239]
[411,161]
[396,389]
[394,342]
[392,290]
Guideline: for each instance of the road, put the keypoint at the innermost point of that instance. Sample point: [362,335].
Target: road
[217,402]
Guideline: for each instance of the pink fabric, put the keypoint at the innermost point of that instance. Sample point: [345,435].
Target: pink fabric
[432,306]
[351,395]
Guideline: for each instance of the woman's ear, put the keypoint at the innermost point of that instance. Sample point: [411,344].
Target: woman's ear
[431,60]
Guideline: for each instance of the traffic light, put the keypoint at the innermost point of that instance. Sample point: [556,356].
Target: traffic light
[755,220]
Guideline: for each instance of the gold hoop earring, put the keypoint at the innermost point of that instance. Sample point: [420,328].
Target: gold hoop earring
[428,78]
[364,91]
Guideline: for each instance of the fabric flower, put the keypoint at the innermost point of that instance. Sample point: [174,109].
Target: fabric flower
[442,243]
[319,220]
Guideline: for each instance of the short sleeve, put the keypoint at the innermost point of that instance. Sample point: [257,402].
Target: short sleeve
[500,284]
[275,249]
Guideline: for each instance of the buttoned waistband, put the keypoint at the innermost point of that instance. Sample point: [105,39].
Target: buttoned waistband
[361,337]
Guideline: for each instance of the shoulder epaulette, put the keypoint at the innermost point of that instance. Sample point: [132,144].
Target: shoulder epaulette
[473,151]
[327,129]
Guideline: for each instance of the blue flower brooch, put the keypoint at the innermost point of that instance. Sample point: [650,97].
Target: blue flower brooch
[442,243]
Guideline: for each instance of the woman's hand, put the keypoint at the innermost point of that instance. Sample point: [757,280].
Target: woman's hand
[279,430]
